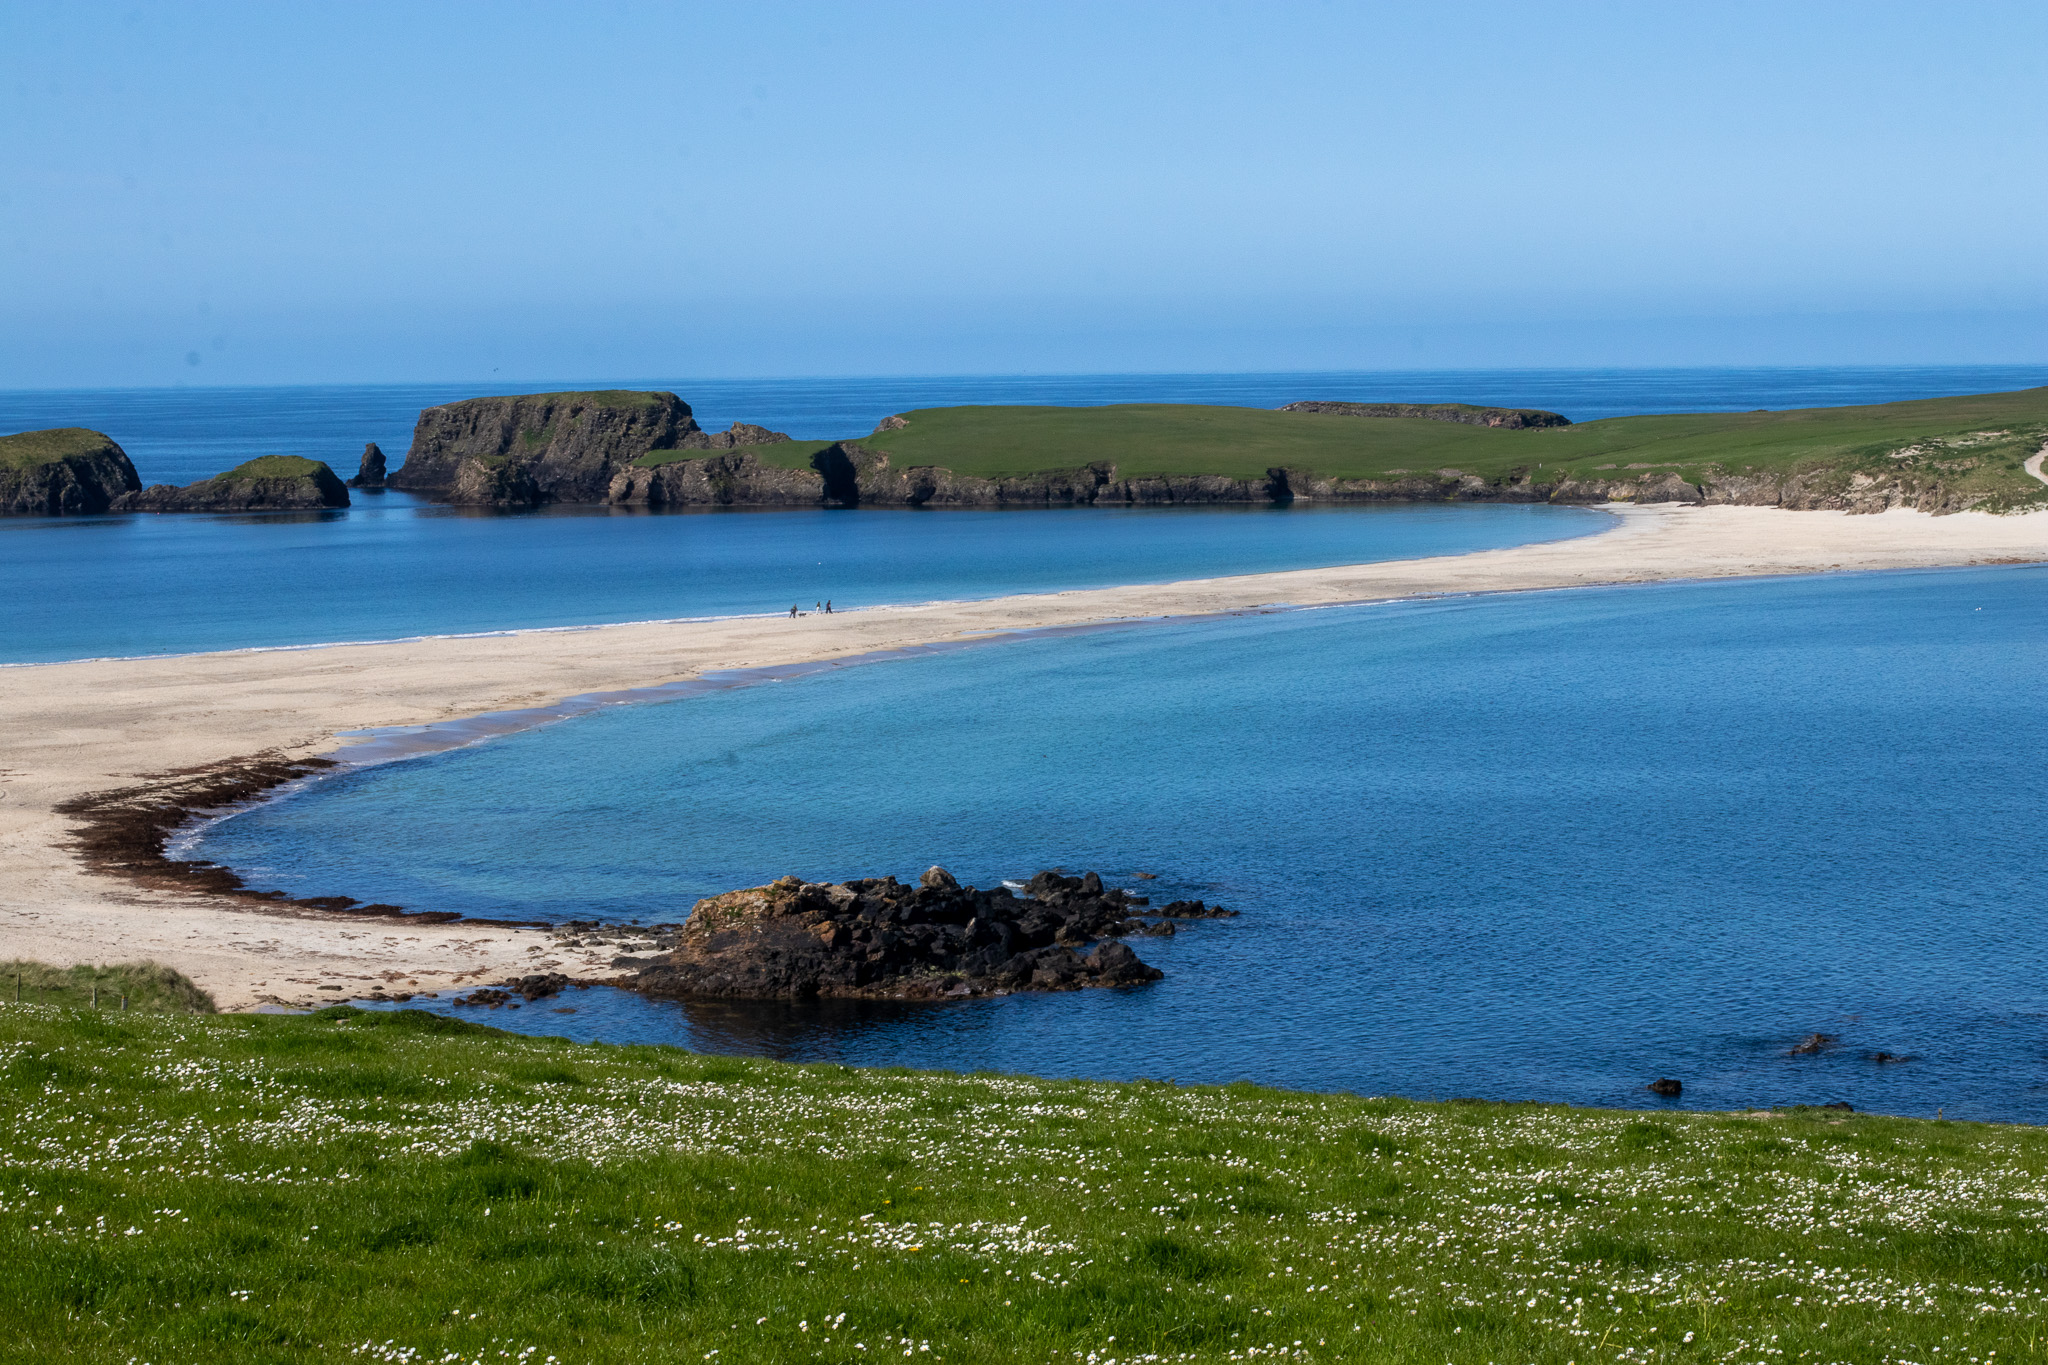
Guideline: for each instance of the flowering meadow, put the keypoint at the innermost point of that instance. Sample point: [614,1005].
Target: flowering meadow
[401,1187]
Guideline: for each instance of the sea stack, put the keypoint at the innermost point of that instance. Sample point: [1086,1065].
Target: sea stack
[268,483]
[62,472]
[371,473]
[530,449]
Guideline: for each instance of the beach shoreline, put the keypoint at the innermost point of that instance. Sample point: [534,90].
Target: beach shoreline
[94,726]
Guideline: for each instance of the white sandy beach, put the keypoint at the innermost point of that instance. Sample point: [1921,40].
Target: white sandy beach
[75,728]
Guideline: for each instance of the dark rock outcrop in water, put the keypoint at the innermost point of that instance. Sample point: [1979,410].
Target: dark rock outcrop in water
[1515,419]
[1666,1087]
[878,938]
[269,483]
[532,449]
[62,472]
[370,474]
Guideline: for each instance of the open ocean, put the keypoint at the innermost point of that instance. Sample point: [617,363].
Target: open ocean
[1544,846]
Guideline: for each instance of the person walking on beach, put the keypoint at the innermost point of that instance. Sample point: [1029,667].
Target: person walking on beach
[828,606]
[792,611]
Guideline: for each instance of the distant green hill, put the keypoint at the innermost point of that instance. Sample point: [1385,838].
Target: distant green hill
[1971,447]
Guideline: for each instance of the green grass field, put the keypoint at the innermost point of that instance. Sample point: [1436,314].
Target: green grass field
[30,448]
[270,467]
[400,1187]
[1974,442]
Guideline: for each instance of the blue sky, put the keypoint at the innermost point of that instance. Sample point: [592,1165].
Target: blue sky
[262,193]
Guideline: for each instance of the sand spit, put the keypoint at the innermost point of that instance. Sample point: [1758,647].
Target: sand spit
[68,731]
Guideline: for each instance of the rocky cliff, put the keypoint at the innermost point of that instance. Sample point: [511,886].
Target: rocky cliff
[1512,418]
[370,473]
[877,937]
[269,483]
[867,476]
[739,479]
[554,447]
[635,449]
[62,472]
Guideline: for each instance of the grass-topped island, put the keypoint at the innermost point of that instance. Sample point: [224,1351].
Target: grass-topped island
[398,1186]
[634,449]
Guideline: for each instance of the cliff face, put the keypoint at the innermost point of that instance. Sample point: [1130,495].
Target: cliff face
[549,447]
[1511,418]
[371,473]
[583,447]
[872,478]
[62,472]
[1839,490]
[735,480]
[270,483]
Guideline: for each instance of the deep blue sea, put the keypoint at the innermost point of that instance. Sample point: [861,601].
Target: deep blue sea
[393,566]
[1543,846]
[1538,846]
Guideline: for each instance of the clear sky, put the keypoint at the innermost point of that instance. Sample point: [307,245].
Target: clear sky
[269,193]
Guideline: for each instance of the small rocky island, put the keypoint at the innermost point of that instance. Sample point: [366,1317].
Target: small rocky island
[268,483]
[880,939]
[370,474]
[67,471]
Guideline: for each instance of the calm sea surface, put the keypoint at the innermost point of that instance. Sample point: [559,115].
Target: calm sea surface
[394,566]
[179,435]
[1533,846]
[1545,846]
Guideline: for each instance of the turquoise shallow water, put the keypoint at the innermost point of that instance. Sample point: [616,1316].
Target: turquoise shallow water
[98,586]
[1532,846]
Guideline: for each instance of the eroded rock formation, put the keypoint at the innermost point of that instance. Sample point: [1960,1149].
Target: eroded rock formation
[370,474]
[877,937]
[269,483]
[531,449]
[62,472]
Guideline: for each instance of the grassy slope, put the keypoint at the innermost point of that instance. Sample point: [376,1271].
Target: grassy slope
[265,1188]
[149,987]
[1145,439]
[271,467]
[39,447]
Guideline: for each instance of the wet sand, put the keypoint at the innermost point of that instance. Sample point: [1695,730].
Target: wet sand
[77,728]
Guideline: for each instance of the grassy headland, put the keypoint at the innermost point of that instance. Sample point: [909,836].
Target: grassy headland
[1973,443]
[271,467]
[402,1187]
[28,448]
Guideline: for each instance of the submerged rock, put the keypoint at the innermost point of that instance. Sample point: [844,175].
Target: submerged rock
[269,483]
[62,472]
[1666,1087]
[1812,1043]
[879,938]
